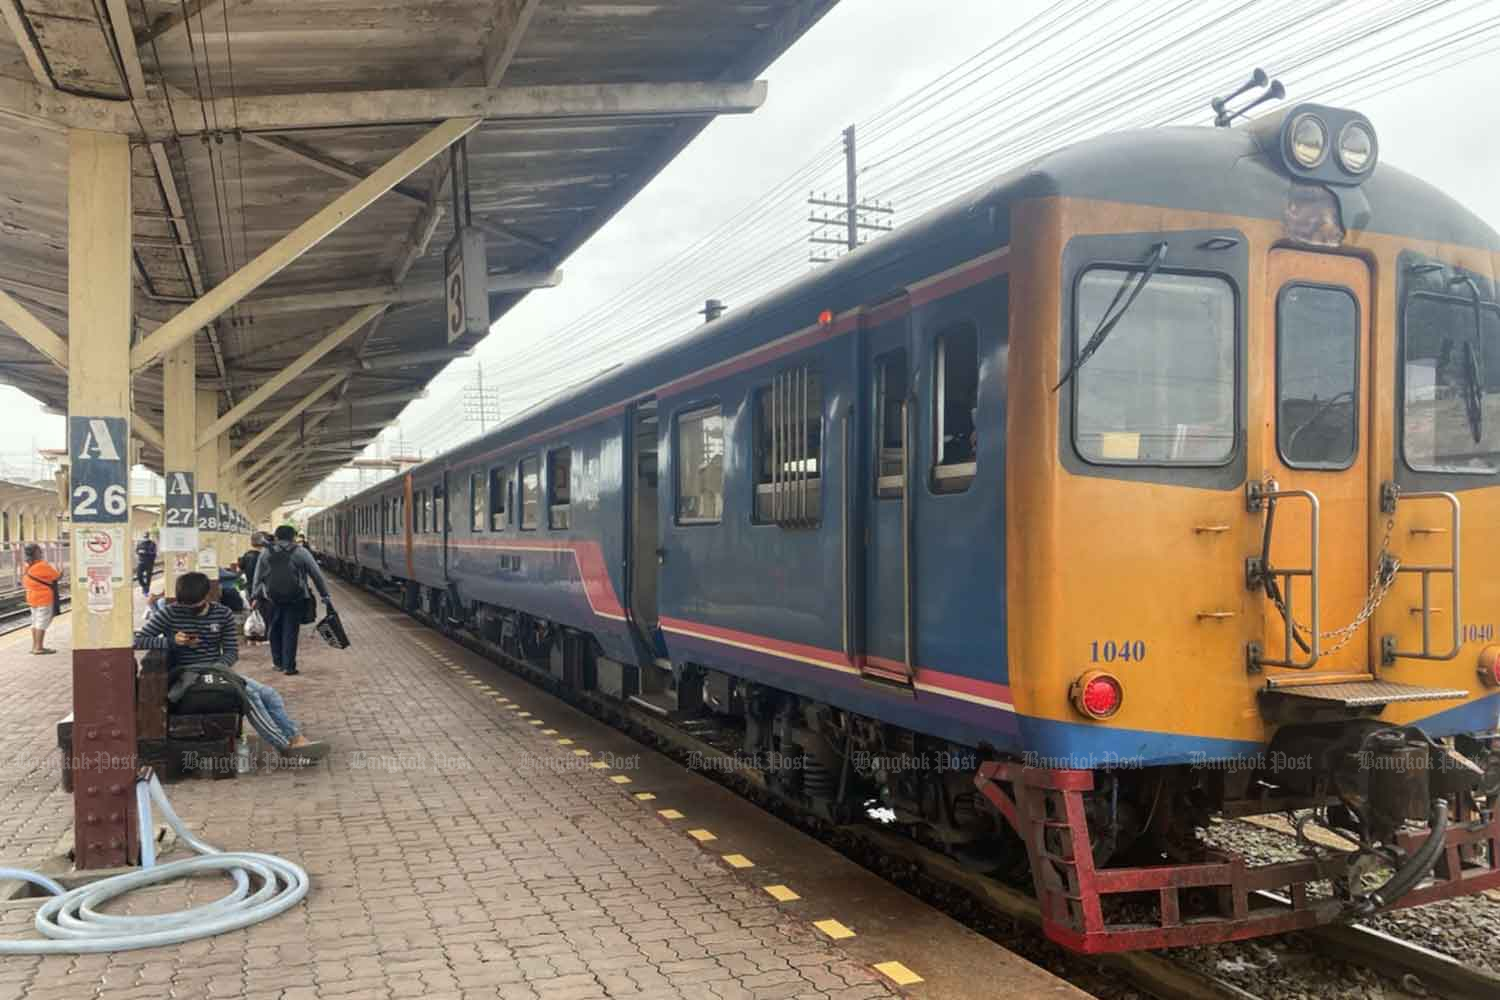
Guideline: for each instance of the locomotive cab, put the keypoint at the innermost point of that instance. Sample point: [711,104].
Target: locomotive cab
[1274,451]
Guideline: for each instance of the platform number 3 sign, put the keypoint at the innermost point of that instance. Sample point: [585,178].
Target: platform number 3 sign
[97,447]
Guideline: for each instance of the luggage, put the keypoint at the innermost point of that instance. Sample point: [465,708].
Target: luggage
[331,629]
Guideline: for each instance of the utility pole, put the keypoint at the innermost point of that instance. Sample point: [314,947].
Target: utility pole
[849,215]
[479,402]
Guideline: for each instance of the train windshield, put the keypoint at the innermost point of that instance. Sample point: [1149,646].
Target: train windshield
[1452,380]
[1161,389]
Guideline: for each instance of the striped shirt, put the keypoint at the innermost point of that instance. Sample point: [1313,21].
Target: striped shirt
[213,626]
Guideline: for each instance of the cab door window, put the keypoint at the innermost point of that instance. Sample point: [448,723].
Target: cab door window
[1317,376]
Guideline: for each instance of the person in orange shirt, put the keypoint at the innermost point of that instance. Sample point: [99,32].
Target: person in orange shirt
[41,579]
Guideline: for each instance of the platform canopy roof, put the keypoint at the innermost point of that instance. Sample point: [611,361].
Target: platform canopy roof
[250,117]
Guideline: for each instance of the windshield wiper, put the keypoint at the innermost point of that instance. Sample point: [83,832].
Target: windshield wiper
[1133,284]
[1473,370]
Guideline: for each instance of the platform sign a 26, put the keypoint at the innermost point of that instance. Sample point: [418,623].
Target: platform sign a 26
[98,449]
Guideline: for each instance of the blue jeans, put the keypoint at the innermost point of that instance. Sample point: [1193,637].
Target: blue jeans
[267,714]
[282,630]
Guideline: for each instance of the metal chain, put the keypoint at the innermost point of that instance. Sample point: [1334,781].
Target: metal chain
[1386,566]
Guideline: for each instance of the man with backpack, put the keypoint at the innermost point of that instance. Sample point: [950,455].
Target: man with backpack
[145,562]
[281,581]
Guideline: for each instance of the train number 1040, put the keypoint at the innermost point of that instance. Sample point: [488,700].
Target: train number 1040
[1108,651]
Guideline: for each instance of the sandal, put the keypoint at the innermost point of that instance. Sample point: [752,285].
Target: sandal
[42,652]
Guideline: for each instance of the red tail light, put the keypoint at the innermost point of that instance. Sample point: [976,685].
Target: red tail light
[1489,665]
[1097,694]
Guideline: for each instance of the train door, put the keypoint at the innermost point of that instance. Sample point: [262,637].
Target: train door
[385,521]
[885,494]
[442,520]
[643,557]
[1316,359]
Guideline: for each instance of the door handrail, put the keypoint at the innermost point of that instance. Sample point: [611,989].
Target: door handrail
[1388,651]
[1261,575]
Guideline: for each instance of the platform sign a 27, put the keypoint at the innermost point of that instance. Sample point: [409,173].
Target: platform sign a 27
[98,448]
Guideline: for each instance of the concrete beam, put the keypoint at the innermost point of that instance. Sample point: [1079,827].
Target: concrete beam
[512,18]
[274,113]
[20,28]
[332,339]
[273,305]
[257,272]
[175,19]
[305,154]
[32,330]
[322,390]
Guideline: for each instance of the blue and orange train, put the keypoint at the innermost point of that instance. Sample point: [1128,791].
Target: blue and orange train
[1151,483]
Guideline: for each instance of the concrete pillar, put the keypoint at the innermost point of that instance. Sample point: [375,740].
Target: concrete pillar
[229,549]
[180,429]
[206,466]
[99,325]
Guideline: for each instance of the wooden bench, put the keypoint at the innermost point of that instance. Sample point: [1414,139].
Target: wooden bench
[173,743]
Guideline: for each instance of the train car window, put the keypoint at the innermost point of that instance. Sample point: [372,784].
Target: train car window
[788,449]
[439,520]
[559,487]
[1452,382]
[1317,376]
[530,492]
[499,486]
[1161,388]
[424,511]
[890,432]
[955,406]
[700,466]
[476,501]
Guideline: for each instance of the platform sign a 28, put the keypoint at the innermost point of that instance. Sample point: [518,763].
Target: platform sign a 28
[208,510]
[98,448]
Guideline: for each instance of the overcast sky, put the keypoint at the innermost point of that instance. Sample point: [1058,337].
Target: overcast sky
[860,58]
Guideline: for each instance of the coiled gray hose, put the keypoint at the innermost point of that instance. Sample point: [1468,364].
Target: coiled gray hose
[72,924]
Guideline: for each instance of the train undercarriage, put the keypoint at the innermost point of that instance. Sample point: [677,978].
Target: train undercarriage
[1120,859]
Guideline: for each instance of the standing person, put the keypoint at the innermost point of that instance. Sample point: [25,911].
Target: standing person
[199,635]
[42,595]
[145,562]
[281,578]
[258,541]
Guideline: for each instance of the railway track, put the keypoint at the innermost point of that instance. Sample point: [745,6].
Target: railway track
[16,619]
[1418,970]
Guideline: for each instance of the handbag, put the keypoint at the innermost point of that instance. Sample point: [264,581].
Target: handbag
[255,625]
[309,609]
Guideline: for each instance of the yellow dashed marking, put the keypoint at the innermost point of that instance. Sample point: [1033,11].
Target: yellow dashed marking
[738,861]
[644,796]
[580,753]
[701,836]
[565,743]
[669,814]
[523,715]
[781,893]
[537,722]
[833,929]
[898,973]
[598,765]
[619,779]
[549,732]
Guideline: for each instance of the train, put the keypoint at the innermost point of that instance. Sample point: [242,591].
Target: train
[1145,487]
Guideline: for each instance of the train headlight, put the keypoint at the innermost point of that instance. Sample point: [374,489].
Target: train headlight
[1097,694]
[1356,149]
[1489,665]
[1307,140]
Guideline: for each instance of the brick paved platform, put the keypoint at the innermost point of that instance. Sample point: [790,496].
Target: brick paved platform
[471,836]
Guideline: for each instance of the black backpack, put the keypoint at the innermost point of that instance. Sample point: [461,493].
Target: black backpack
[282,585]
